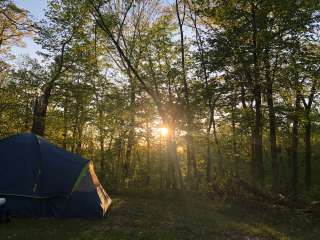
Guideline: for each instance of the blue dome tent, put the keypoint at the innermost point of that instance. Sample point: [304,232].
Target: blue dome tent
[39,179]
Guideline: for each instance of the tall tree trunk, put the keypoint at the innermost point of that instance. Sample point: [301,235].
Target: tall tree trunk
[216,140]
[189,115]
[102,155]
[257,166]
[172,171]
[148,155]
[41,103]
[272,125]
[294,147]
[209,157]
[235,154]
[118,163]
[307,139]
[179,177]
[250,119]
[308,152]
[40,111]
[192,163]
[27,114]
[209,94]
[79,137]
[258,171]
[162,166]
[131,136]
[273,142]
[80,123]
[101,141]
[65,122]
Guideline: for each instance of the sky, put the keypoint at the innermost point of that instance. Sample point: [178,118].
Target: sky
[36,9]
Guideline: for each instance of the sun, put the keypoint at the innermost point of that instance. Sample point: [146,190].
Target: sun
[164,131]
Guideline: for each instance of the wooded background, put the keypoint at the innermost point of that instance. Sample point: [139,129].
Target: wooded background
[167,95]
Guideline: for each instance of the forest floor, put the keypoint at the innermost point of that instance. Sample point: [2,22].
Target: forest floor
[170,217]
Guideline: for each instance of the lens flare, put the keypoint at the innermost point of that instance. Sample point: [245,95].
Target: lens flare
[164,131]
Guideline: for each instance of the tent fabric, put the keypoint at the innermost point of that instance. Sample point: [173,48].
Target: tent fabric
[89,204]
[104,197]
[39,179]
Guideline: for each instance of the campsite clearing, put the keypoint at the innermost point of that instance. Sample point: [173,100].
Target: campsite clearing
[137,217]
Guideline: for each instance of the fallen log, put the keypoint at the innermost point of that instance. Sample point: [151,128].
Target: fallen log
[237,188]
[278,200]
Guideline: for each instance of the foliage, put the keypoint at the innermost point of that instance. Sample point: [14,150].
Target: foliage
[238,92]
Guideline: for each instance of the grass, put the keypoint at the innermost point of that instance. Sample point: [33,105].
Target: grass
[169,218]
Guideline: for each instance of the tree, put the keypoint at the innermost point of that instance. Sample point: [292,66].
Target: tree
[55,35]
[14,25]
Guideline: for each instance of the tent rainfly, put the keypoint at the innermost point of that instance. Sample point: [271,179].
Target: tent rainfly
[39,179]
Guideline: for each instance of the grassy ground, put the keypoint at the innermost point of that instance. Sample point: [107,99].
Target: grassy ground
[139,217]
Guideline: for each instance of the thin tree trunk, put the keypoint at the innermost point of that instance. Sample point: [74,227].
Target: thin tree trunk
[216,140]
[294,148]
[26,117]
[208,157]
[79,138]
[101,140]
[80,124]
[65,127]
[179,178]
[170,182]
[308,125]
[148,155]
[235,154]
[308,151]
[131,136]
[162,166]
